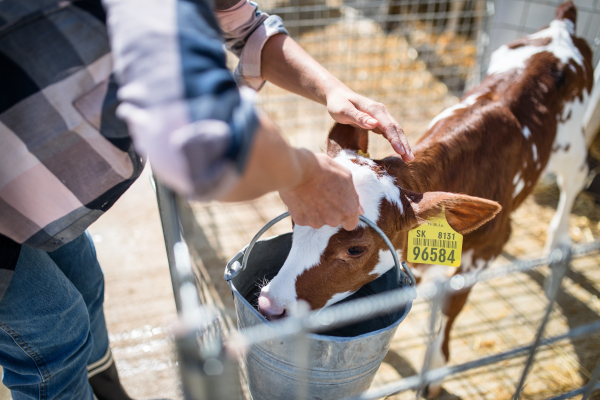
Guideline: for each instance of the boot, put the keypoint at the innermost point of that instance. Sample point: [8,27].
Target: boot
[104,379]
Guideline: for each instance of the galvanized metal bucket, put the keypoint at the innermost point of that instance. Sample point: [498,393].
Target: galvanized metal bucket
[338,366]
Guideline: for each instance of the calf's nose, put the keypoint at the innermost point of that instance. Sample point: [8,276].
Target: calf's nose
[268,308]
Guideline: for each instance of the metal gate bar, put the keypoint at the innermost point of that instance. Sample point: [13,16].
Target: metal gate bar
[387,302]
[432,22]
[558,271]
[592,383]
[437,374]
[360,309]
[575,392]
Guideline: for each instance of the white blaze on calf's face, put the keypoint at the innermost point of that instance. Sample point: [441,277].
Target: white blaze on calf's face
[308,244]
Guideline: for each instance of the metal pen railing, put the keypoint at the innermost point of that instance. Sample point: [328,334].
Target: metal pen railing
[199,339]
[373,46]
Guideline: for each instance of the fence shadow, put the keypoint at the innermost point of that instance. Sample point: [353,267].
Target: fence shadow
[576,313]
[204,255]
[405,370]
[399,363]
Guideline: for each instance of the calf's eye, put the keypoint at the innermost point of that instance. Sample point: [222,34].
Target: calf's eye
[355,251]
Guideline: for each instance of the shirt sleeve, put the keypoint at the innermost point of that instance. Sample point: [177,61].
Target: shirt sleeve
[246,29]
[181,103]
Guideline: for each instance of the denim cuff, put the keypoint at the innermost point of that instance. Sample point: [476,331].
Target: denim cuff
[9,255]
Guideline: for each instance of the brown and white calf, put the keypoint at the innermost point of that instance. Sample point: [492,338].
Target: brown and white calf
[492,147]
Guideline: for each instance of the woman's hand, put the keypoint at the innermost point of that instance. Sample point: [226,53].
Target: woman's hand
[288,66]
[347,107]
[324,196]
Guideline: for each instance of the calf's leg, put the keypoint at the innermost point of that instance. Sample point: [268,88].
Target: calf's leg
[440,348]
[571,173]
[568,163]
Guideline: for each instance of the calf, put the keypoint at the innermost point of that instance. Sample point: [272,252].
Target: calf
[491,147]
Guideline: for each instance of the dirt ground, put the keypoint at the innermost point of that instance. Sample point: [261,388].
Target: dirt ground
[139,304]
[4,392]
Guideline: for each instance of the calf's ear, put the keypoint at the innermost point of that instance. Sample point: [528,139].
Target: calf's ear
[463,213]
[346,137]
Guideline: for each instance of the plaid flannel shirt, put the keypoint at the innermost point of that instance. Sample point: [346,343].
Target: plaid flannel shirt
[68,68]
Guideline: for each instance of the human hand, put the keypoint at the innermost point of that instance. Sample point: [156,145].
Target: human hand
[347,107]
[324,196]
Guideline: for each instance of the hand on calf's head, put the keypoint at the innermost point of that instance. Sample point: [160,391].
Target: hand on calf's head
[328,264]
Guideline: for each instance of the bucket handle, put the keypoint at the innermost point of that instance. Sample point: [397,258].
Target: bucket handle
[234,267]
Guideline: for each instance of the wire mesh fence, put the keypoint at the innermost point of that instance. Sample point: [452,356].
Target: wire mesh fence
[212,323]
[417,57]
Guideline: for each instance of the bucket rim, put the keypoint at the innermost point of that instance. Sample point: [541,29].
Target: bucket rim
[327,338]
[316,336]
[234,267]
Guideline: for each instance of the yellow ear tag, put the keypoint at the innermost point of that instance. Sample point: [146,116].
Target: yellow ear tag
[360,153]
[435,242]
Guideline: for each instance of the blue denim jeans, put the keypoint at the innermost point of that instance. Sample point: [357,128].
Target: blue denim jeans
[52,322]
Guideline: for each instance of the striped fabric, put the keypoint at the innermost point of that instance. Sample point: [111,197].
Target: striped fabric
[102,364]
[186,111]
[65,157]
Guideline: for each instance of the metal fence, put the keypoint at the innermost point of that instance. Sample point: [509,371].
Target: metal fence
[417,57]
[205,337]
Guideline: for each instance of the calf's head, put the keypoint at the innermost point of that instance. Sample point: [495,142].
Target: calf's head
[328,264]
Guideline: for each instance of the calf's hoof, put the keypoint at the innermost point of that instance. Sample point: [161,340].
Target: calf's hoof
[553,244]
[432,391]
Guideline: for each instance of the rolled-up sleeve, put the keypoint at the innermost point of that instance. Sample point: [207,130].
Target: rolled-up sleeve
[181,103]
[246,29]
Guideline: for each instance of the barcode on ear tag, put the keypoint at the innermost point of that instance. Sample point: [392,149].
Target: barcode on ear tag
[435,242]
